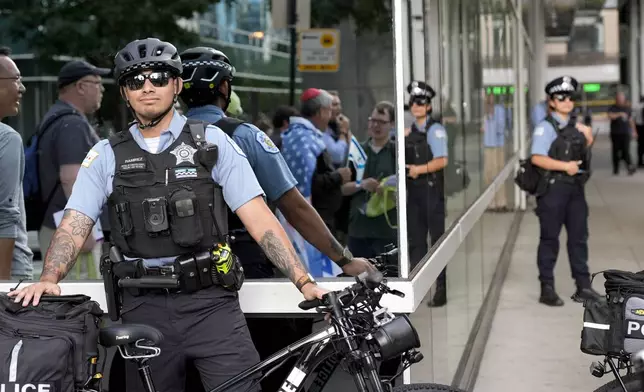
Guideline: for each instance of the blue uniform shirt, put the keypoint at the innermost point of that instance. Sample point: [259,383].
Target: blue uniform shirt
[264,157]
[544,135]
[233,172]
[436,138]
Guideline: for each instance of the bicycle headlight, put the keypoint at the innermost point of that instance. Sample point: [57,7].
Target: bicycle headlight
[396,337]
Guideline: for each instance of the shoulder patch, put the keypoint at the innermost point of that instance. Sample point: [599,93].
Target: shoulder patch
[539,131]
[235,146]
[89,158]
[266,143]
[440,133]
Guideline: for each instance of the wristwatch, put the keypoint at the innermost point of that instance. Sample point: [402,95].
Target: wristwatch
[308,278]
[347,256]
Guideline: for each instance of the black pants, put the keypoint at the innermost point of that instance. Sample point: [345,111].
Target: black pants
[621,150]
[563,204]
[206,329]
[640,145]
[425,214]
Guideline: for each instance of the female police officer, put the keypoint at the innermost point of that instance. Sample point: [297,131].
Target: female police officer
[425,158]
[560,148]
[158,160]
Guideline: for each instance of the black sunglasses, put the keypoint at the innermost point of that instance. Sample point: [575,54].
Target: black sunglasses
[419,101]
[563,97]
[157,78]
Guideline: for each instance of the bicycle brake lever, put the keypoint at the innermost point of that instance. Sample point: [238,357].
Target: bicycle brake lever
[396,293]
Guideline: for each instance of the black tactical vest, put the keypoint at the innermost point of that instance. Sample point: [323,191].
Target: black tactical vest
[163,204]
[570,145]
[417,152]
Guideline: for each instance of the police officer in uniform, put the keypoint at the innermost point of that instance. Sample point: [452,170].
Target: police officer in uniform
[561,148]
[425,158]
[207,80]
[166,191]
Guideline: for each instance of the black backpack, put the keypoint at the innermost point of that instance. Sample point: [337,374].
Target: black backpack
[54,344]
[35,205]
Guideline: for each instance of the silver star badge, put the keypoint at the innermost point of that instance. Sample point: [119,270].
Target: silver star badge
[184,153]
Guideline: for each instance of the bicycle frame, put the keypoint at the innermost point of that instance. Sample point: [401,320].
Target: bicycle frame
[321,356]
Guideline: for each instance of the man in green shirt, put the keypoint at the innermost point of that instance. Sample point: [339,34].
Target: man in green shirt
[368,236]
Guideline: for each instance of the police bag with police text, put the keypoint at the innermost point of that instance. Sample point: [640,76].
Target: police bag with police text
[614,325]
[50,347]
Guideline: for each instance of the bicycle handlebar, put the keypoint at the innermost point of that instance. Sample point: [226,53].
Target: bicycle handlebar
[365,283]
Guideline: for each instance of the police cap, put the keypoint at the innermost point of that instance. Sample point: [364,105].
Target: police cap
[420,89]
[562,85]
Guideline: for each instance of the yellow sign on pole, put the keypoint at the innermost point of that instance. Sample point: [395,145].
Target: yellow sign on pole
[319,50]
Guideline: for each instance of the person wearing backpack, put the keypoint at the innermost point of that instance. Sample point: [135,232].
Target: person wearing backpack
[16,258]
[207,78]
[65,138]
[560,147]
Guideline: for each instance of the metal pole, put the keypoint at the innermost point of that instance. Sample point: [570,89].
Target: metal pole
[292,25]
[517,40]
[399,80]
[522,101]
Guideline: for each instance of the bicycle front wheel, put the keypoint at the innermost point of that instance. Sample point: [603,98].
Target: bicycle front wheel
[426,388]
[633,383]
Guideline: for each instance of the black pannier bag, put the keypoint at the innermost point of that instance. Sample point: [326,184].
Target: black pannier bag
[615,325]
[53,346]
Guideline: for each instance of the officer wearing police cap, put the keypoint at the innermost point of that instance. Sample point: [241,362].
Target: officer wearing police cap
[425,158]
[561,148]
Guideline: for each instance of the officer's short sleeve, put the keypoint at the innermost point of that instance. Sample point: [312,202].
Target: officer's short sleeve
[232,171]
[543,136]
[266,160]
[437,140]
[91,189]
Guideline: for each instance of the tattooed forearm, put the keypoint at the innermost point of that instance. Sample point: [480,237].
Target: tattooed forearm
[287,261]
[65,245]
[81,224]
[60,256]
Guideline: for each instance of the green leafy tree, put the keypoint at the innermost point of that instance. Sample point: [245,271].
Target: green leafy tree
[368,15]
[96,29]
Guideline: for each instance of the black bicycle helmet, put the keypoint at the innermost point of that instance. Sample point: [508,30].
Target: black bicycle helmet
[204,69]
[145,54]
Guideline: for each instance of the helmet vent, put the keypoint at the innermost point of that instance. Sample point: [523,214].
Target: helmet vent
[158,51]
[142,51]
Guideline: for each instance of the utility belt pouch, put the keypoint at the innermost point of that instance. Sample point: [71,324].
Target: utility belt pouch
[227,270]
[111,256]
[186,267]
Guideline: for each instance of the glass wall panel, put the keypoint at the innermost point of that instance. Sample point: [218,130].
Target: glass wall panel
[477,73]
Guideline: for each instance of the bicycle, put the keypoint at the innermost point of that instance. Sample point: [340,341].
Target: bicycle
[633,381]
[360,334]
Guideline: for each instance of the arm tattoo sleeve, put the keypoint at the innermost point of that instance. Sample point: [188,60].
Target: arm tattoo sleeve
[66,244]
[286,261]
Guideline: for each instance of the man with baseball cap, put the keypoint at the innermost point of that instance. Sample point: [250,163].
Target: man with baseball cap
[66,138]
